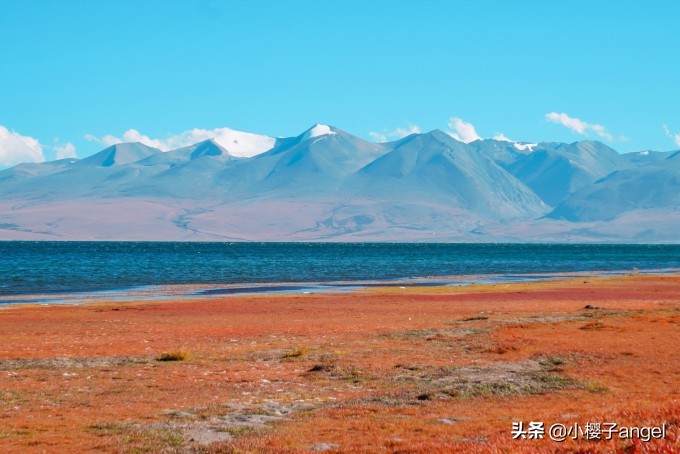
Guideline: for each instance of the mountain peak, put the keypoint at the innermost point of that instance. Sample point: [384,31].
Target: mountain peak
[208,148]
[317,130]
[119,154]
[438,133]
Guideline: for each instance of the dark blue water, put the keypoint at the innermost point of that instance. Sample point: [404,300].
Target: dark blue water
[62,267]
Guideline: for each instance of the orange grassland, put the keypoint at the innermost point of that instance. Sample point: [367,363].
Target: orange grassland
[416,369]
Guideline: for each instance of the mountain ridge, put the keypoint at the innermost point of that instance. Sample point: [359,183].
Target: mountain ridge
[327,184]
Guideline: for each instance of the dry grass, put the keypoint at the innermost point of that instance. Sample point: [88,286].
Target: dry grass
[475,318]
[594,325]
[174,355]
[295,353]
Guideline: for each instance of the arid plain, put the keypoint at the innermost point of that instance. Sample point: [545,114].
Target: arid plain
[384,369]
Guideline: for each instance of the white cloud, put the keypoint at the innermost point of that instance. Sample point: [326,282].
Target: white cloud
[502,137]
[15,148]
[378,137]
[579,126]
[236,142]
[67,150]
[91,138]
[674,136]
[398,133]
[131,135]
[462,130]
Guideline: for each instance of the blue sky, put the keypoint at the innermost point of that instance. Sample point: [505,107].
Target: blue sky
[530,70]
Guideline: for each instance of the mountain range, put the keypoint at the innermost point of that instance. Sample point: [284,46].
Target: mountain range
[328,185]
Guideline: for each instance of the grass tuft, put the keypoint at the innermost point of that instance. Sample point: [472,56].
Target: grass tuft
[176,355]
[473,319]
[593,326]
[295,353]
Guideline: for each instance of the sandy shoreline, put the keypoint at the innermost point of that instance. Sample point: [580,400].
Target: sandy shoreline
[415,369]
[192,291]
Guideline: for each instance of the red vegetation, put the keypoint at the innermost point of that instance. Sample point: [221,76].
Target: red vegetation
[429,369]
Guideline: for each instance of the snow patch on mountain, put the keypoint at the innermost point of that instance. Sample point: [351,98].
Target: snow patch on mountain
[316,131]
[525,146]
[521,146]
[243,144]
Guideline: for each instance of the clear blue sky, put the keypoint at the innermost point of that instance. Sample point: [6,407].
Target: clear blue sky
[71,68]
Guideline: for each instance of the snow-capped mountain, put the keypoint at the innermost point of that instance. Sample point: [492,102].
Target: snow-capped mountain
[243,144]
[326,184]
[317,160]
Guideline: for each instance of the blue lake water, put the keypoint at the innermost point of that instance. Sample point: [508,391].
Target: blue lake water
[66,267]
